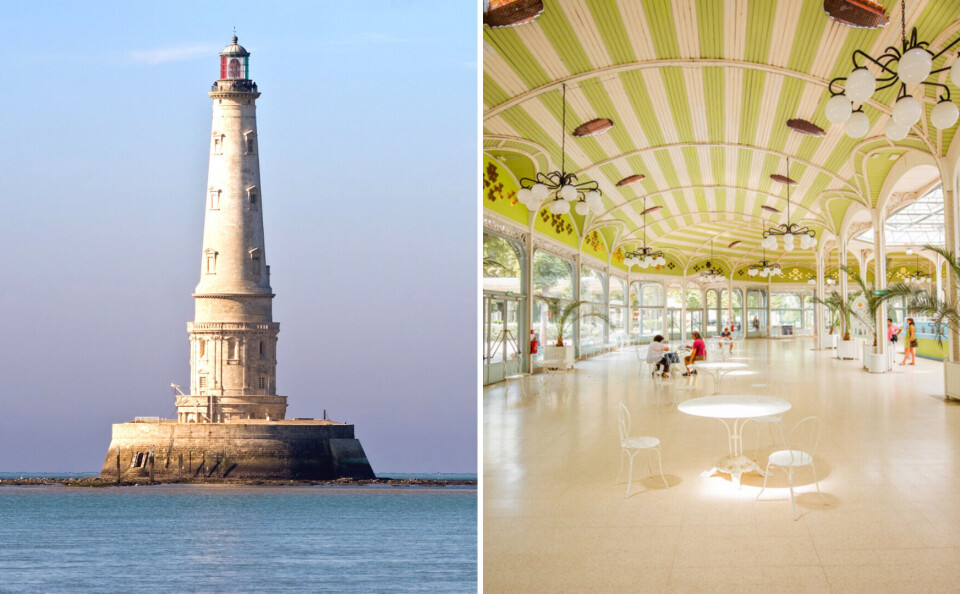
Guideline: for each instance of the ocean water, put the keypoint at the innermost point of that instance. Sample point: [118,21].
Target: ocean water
[214,538]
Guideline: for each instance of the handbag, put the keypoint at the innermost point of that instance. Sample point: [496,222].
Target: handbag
[913,344]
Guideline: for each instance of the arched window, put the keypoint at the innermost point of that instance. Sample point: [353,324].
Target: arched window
[617,311]
[501,265]
[552,276]
[253,196]
[249,142]
[217,143]
[214,199]
[592,326]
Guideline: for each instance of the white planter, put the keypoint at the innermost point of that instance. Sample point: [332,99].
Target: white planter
[555,353]
[848,349]
[829,341]
[876,363]
[951,379]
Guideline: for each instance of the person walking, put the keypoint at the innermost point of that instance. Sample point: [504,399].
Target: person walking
[910,346]
[893,332]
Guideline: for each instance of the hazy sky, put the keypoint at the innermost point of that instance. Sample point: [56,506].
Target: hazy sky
[368,150]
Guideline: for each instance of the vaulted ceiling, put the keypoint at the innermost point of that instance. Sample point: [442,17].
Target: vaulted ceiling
[700,92]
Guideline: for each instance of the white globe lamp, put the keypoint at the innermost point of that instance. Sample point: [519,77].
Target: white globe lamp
[907,110]
[895,131]
[568,193]
[540,191]
[581,208]
[524,196]
[559,207]
[752,272]
[914,65]
[838,109]
[857,124]
[944,114]
[860,85]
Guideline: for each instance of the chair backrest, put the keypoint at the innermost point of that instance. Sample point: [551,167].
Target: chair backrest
[805,436]
[623,422]
[766,389]
[642,353]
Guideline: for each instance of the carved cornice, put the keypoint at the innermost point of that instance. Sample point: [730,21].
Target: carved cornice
[555,247]
[232,295]
[858,228]
[897,200]
[501,225]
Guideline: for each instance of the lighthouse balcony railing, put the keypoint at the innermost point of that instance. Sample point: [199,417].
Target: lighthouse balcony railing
[241,85]
[225,326]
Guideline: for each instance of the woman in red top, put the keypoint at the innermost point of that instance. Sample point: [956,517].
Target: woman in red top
[698,351]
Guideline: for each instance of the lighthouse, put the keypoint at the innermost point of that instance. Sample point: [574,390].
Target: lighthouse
[233,337]
[232,424]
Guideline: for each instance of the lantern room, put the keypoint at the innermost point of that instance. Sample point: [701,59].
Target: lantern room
[234,62]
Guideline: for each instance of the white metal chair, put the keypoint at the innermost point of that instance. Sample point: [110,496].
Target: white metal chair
[519,378]
[806,435]
[772,421]
[632,446]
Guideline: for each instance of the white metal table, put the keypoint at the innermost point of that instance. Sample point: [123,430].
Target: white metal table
[718,369]
[738,408]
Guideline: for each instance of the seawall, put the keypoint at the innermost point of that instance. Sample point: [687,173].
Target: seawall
[251,449]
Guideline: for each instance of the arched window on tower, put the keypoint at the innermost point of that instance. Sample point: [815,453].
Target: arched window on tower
[261,349]
[217,143]
[211,261]
[214,199]
[253,196]
[249,141]
[255,261]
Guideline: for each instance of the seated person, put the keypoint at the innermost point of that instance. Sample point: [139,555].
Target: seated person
[726,335]
[657,353]
[698,351]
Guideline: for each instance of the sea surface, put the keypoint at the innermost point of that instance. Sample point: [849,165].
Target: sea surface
[218,538]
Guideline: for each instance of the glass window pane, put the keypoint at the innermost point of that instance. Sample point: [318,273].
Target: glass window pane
[591,285]
[591,328]
[694,299]
[674,298]
[617,289]
[652,295]
[501,265]
[552,276]
[635,293]
[712,298]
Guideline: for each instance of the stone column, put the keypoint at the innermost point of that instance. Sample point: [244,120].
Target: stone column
[879,280]
[528,300]
[821,294]
[683,308]
[576,297]
[951,242]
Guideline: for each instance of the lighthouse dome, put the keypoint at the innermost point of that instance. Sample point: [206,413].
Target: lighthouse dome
[234,49]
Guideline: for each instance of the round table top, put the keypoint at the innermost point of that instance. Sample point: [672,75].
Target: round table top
[734,406]
[718,365]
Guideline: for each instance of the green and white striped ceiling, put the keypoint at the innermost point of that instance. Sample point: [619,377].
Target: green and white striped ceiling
[700,92]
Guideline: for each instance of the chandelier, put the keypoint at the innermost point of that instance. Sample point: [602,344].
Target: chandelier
[764,268]
[561,185]
[711,275]
[909,65]
[917,277]
[789,231]
[645,256]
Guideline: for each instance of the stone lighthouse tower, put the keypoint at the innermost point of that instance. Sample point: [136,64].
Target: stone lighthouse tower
[232,424]
[233,337]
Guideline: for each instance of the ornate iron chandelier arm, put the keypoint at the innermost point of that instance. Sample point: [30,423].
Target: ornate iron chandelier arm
[888,83]
[875,61]
[943,51]
[941,85]
[830,86]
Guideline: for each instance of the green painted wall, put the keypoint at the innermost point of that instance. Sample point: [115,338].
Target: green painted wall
[500,191]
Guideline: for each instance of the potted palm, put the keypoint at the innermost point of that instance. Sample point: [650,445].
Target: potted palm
[873,361]
[563,314]
[943,313]
[842,310]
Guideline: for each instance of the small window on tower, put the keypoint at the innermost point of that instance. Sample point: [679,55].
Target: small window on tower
[214,199]
[203,381]
[211,257]
[217,144]
[263,382]
[249,141]
[252,195]
[255,261]
[261,349]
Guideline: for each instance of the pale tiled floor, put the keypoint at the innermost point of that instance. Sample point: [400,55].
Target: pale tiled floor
[888,464]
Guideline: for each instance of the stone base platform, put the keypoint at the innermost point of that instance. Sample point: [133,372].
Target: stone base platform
[250,449]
